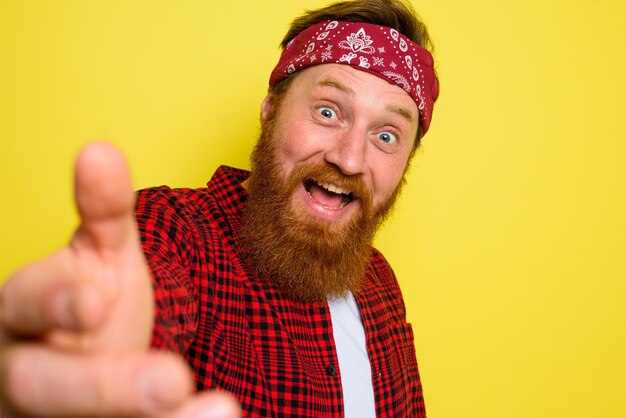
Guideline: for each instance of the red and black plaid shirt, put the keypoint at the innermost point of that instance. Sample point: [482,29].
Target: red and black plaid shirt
[240,334]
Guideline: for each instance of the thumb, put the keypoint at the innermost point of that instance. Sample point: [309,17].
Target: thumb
[107,248]
[104,196]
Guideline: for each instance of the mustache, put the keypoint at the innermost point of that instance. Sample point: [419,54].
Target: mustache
[326,173]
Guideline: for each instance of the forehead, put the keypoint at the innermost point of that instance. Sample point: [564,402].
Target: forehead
[355,84]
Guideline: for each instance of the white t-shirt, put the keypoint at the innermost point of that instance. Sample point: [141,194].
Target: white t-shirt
[354,364]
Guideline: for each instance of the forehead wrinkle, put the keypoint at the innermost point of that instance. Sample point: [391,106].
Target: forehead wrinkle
[402,111]
[397,109]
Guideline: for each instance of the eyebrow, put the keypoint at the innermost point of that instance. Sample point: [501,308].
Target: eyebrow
[327,82]
[402,111]
[399,110]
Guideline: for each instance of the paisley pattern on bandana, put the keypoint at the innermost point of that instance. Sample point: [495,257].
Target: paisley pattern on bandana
[378,50]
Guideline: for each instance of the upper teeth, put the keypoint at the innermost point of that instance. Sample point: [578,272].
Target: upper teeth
[333,188]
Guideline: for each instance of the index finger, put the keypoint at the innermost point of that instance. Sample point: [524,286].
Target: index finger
[36,381]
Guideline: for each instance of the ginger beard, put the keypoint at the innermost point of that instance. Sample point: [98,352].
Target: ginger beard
[306,258]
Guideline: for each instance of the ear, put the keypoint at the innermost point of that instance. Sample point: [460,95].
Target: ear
[266,106]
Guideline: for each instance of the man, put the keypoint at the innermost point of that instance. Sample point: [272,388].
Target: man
[263,285]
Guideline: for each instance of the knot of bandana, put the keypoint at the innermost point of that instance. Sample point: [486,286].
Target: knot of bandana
[378,50]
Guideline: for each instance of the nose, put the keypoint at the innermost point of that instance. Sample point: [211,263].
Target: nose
[348,150]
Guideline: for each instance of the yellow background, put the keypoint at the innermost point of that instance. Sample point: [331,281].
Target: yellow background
[509,241]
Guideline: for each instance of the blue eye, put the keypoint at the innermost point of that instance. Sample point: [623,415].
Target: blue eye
[387,138]
[327,112]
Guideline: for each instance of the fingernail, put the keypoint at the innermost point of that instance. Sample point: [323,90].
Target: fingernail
[221,405]
[156,390]
[222,410]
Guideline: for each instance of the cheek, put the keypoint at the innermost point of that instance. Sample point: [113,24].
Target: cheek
[386,178]
[291,151]
[299,145]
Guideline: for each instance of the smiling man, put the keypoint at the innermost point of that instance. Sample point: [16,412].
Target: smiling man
[335,153]
[265,283]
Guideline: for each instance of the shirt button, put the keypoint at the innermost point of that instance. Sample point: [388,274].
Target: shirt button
[331,370]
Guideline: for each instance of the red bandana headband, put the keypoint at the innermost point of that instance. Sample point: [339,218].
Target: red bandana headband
[378,50]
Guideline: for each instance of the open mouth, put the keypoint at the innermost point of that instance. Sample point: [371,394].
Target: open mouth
[328,195]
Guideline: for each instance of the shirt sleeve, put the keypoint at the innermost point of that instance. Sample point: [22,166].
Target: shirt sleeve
[167,237]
